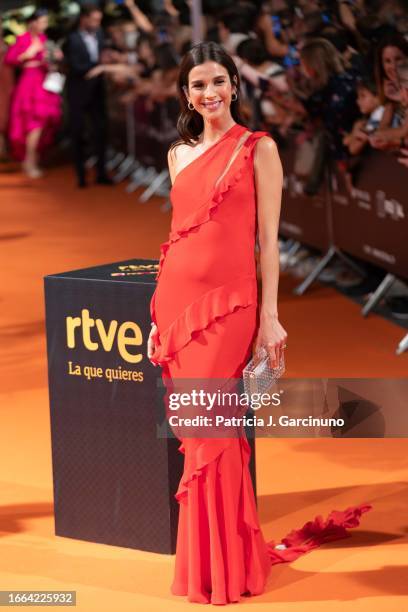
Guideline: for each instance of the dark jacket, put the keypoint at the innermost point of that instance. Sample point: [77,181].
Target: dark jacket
[81,91]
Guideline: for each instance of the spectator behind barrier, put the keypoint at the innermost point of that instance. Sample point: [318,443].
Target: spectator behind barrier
[234,26]
[402,71]
[391,51]
[332,97]
[274,110]
[372,110]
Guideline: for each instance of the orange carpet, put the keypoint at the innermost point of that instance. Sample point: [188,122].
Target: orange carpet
[48,226]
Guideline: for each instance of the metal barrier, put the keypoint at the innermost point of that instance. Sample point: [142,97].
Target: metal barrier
[307,219]
[368,221]
[149,133]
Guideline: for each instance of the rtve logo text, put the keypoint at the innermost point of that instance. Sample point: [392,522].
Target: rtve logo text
[95,335]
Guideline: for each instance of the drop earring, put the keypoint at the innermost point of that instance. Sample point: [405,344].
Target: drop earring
[236,97]
[190,107]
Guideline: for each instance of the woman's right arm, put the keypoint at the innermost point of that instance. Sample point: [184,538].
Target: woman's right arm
[153,331]
[15,52]
[20,52]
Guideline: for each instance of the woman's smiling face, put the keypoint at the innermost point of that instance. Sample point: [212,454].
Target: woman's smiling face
[210,89]
[391,58]
[39,25]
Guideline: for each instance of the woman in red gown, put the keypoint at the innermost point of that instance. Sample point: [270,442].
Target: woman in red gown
[227,183]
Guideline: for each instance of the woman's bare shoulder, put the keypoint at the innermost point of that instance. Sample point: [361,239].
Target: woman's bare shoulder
[265,149]
[177,155]
[265,143]
[266,156]
[180,152]
[176,149]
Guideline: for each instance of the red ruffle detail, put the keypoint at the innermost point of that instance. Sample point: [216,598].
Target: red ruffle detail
[203,213]
[204,454]
[298,542]
[193,318]
[317,532]
[229,180]
[216,303]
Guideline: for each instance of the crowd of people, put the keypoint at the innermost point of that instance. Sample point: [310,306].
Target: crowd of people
[338,69]
[330,74]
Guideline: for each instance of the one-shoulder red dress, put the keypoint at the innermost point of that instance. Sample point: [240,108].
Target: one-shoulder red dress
[205,307]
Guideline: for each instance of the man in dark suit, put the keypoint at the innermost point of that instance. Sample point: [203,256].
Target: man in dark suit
[86,90]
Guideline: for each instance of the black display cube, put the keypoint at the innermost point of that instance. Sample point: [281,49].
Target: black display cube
[114,478]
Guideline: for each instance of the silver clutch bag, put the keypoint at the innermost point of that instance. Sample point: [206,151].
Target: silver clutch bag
[258,376]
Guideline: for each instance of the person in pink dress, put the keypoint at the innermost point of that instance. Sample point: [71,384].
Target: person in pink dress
[6,87]
[35,113]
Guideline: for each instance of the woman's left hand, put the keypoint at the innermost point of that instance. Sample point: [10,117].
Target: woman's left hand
[271,336]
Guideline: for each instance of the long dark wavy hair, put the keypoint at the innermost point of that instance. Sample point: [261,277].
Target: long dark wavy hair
[190,123]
